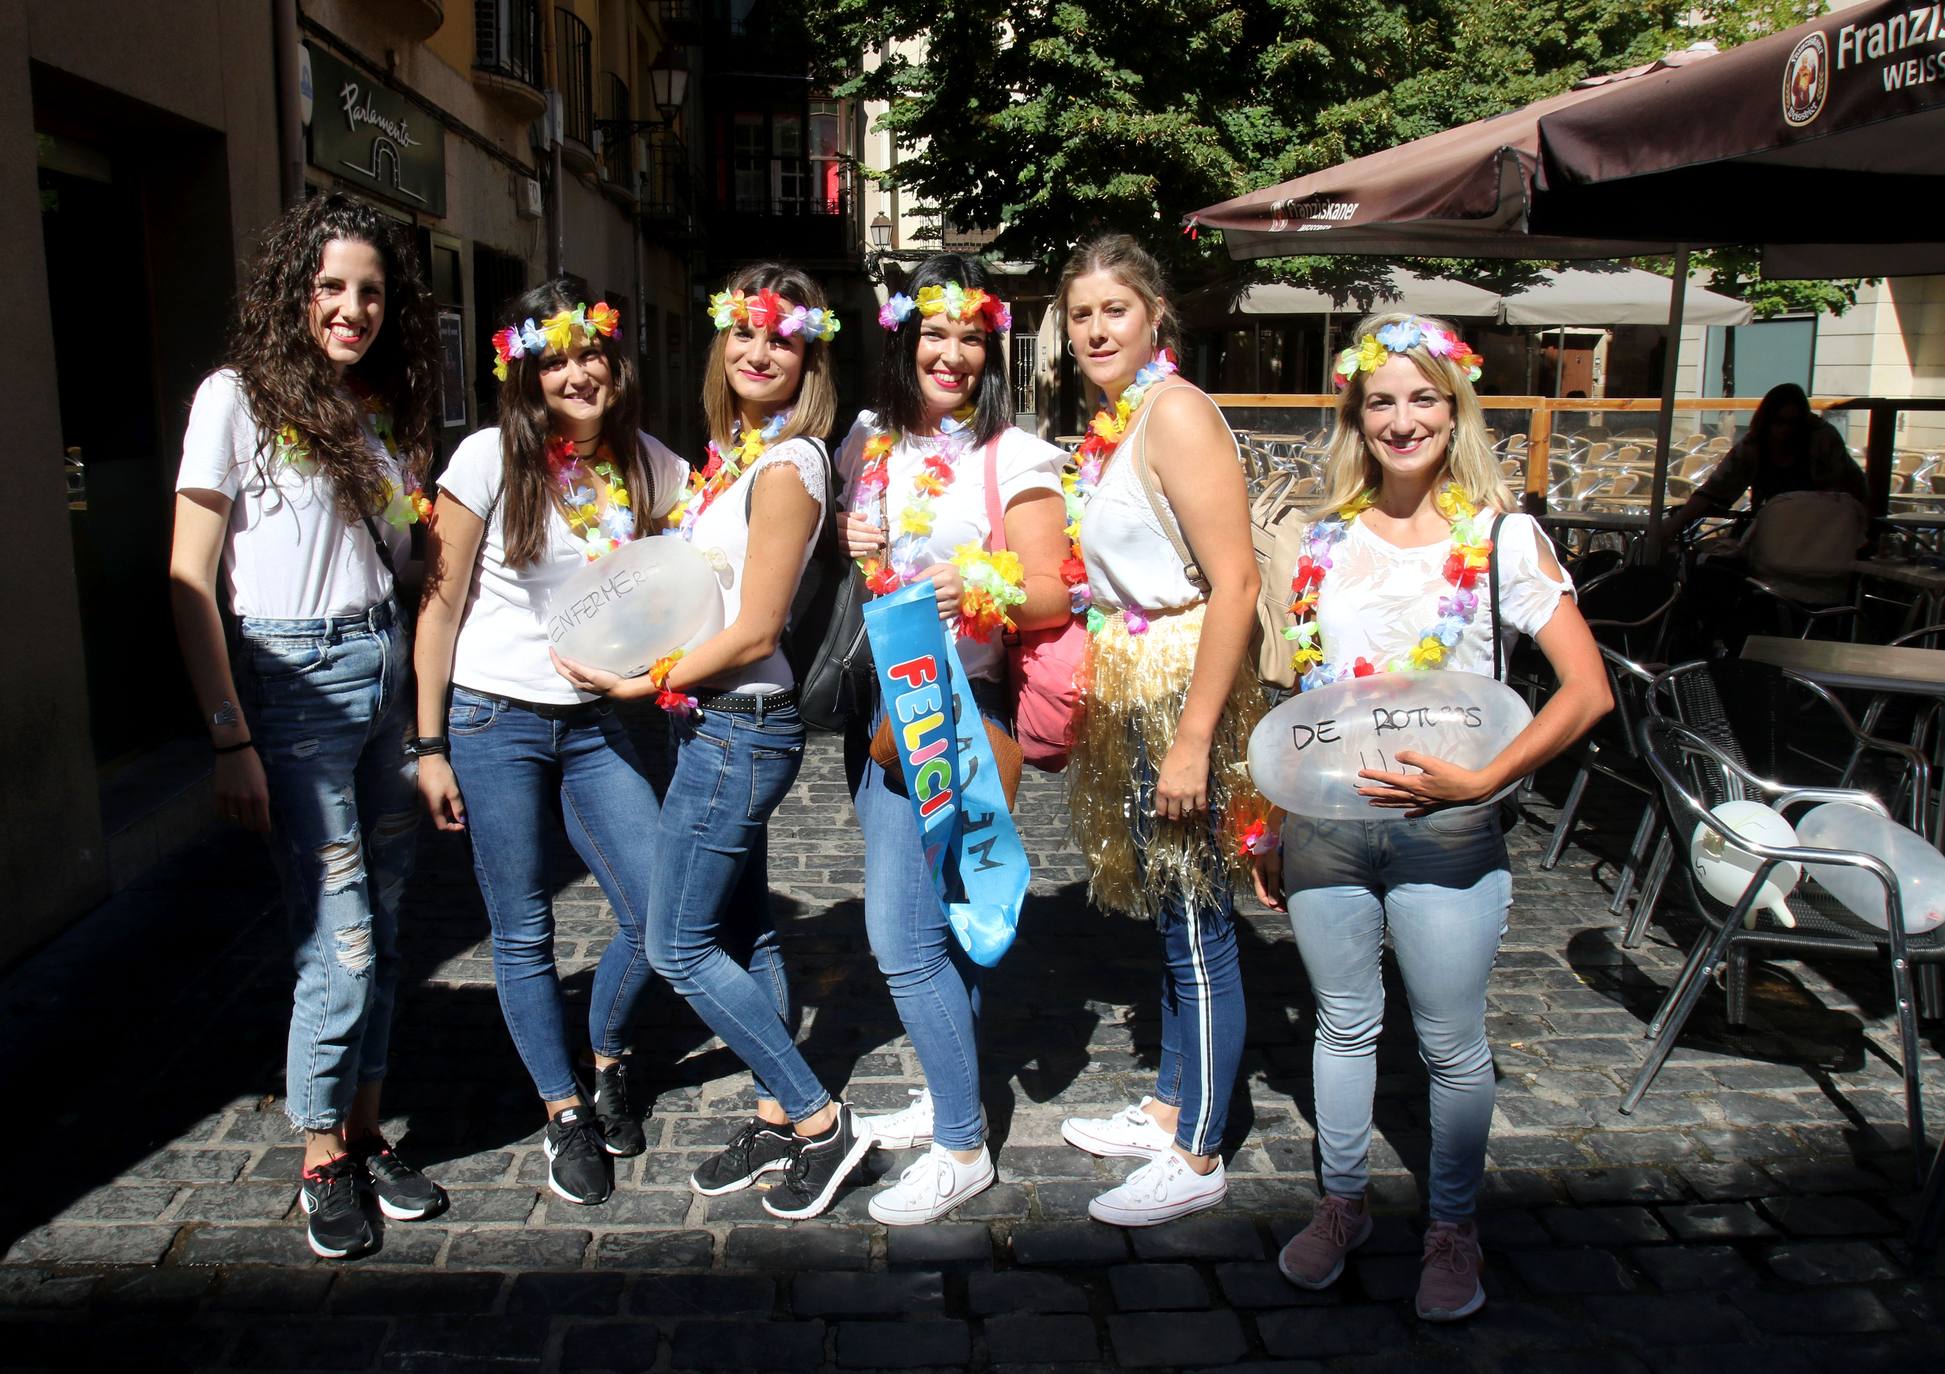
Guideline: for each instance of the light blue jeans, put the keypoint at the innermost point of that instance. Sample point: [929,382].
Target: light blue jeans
[1442,887]
[518,770]
[329,708]
[933,983]
[711,930]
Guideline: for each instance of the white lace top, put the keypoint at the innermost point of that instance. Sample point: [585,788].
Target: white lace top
[725,526]
[1378,599]
[1130,561]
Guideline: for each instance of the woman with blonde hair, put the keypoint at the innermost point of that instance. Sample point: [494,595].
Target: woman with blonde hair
[1397,576]
[1160,791]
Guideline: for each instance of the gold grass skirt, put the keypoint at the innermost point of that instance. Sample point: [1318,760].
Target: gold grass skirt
[1132,690]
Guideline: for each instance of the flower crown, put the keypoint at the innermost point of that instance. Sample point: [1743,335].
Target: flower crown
[555,332]
[1373,351]
[765,309]
[955,302]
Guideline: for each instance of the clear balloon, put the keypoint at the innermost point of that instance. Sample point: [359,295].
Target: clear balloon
[1918,867]
[1305,754]
[1725,871]
[628,608]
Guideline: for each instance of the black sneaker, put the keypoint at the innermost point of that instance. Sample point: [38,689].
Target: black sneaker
[818,1164]
[757,1149]
[621,1126]
[578,1167]
[337,1220]
[403,1193]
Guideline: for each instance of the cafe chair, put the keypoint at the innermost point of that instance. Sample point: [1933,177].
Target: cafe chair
[1801,548]
[1683,763]
[1926,736]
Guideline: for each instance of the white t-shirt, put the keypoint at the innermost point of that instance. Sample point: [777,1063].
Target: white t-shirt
[1025,464]
[502,647]
[1378,599]
[288,554]
[725,526]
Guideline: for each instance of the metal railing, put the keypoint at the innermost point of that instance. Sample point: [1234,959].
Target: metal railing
[506,40]
[574,75]
[617,144]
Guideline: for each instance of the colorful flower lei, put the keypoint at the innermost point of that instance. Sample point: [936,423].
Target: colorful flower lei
[1373,351]
[1470,557]
[670,699]
[555,332]
[765,309]
[406,503]
[602,522]
[958,303]
[719,474]
[912,527]
[1079,479]
[995,582]
[1257,838]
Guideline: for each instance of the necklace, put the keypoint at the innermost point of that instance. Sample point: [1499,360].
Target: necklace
[719,474]
[1078,481]
[1471,554]
[912,528]
[405,500]
[601,521]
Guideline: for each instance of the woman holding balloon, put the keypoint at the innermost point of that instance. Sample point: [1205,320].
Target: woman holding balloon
[299,479]
[1397,575]
[755,509]
[925,473]
[1162,803]
[506,744]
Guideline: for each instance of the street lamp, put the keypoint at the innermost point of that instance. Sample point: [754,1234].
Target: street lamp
[880,232]
[668,81]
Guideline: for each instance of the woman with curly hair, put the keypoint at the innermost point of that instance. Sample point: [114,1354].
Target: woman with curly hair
[508,748]
[299,478]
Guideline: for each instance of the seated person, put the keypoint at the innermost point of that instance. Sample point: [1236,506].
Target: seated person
[1785,449]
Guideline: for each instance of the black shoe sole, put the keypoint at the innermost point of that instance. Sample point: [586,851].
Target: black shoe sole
[740,1184]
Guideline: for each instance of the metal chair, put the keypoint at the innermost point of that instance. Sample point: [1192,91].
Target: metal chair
[1680,760]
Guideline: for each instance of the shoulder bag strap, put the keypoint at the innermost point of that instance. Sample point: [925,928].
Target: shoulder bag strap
[995,513]
[384,549]
[1163,516]
[1492,585]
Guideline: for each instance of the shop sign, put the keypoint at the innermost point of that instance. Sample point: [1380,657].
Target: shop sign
[372,137]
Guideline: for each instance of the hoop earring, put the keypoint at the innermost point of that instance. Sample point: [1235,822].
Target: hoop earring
[1070,349]
[1154,338]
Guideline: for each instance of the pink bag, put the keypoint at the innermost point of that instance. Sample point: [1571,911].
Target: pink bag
[1044,664]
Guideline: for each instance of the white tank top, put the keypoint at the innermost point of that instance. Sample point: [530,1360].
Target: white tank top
[1129,559]
[725,526]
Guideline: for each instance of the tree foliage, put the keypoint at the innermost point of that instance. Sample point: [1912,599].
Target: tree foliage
[1054,118]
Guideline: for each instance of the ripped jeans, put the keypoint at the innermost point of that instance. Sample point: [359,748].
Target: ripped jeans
[329,706]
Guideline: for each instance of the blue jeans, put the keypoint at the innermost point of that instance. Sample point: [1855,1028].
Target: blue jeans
[712,932]
[329,708]
[1442,886]
[1203,1014]
[933,983]
[517,771]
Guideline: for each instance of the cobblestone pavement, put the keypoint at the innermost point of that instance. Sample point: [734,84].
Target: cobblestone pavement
[1751,1213]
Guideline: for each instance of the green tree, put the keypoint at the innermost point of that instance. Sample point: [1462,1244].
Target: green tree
[1053,118]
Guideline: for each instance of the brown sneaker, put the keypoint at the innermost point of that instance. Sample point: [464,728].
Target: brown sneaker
[1315,1255]
[1451,1286]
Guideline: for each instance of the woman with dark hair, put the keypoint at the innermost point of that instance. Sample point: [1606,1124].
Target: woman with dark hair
[917,471]
[1787,448]
[565,477]
[755,507]
[300,474]
[1159,786]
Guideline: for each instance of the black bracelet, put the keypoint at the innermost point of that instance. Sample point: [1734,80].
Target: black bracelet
[234,748]
[427,744]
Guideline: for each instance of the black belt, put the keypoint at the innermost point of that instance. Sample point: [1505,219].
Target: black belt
[748,704]
[571,712]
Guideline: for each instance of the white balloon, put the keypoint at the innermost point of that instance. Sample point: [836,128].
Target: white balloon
[626,609]
[1724,871]
[1305,754]
[1918,867]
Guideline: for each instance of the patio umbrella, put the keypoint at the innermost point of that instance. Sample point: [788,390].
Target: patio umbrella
[1431,295]
[1579,296]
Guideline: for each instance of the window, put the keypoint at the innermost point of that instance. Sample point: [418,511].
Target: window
[826,153]
[748,162]
[787,169]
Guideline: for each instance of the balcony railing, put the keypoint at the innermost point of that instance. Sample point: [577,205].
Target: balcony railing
[617,145]
[574,57]
[506,40]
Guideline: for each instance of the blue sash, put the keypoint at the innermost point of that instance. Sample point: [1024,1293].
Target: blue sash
[978,864]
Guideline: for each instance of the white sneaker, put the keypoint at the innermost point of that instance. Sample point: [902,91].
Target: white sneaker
[1160,1190]
[1130,1132]
[909,1128]
[930,1187]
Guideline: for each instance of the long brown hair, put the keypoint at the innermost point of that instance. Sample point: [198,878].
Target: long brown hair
[526,426]
[815,408]
[286,375]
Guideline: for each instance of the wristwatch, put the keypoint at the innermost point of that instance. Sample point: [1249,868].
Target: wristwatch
[422,745]
[224,714]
